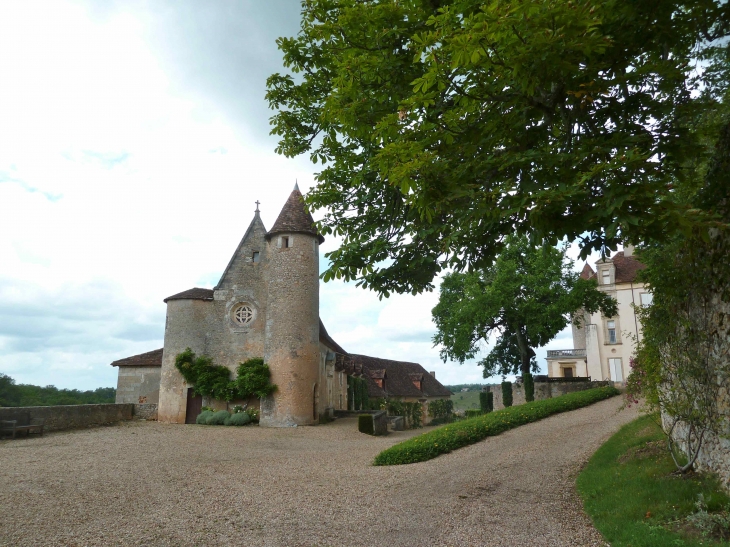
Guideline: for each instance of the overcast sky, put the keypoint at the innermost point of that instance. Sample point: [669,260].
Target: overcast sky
[134,140]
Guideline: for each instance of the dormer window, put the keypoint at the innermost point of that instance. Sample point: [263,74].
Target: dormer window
[379,382]
[256,257]
[417,383]
[606,277]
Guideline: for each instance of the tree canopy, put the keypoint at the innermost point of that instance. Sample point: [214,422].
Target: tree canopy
[12,394]
[445,125]
[526,298]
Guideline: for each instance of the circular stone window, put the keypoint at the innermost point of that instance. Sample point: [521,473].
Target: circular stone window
[242,314]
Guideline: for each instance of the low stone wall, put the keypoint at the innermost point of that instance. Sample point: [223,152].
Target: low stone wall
[145,411]
[543,390]
[380,421]
[72,416]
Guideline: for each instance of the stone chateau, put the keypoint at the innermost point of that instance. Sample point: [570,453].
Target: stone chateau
[266,304]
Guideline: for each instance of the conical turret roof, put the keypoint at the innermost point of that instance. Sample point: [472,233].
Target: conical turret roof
[294,218]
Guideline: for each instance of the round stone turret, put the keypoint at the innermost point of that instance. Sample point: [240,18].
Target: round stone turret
[292,317]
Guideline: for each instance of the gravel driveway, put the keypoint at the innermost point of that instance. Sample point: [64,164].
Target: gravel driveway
[144,483]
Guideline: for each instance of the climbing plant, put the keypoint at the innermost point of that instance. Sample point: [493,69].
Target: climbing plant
[254,379]
[211,380]
[441,409]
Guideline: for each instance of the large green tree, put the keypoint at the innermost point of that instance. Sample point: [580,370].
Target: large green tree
[526,298]
[445,125]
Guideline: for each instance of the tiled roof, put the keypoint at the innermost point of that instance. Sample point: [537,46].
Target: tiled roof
[192,294]
[627,267]
[149,359]
[327,340]
[399,382]
[294,218]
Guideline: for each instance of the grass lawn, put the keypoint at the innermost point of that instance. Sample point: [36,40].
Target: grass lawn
[469,400]
[634,499]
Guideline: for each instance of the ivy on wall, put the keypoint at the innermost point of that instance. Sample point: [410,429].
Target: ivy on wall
[211,380]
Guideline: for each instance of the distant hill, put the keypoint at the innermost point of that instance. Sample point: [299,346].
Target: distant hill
[470,387]
[12,394]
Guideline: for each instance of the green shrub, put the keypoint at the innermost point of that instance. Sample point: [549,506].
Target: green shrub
[253,413]
[254,379]
[483,401]
[366,424]
[529,384]
[507,393]
[472,413]
[218,418]
[441,410]
[203,416]
[445,439]
[239,418]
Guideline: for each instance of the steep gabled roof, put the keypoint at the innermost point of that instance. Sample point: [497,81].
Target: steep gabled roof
[627,267]
[195,293]
[149,359]
[249,233]
[587,272]
[295,218]
[327,340]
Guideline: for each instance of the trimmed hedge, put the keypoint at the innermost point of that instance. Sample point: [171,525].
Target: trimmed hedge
[529,383]
[239,418]
[365,424]
[506,394]
[203,416]
[445,439]
[473,413]
[218,418]
[486,401]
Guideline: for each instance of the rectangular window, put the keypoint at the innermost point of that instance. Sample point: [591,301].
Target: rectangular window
[606,275]
[646,298]
[614,368]
[255,256]
[611,327]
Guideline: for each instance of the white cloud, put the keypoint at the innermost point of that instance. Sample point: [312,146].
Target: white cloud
[133,144]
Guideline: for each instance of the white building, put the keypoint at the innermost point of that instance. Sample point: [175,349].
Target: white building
[603,345]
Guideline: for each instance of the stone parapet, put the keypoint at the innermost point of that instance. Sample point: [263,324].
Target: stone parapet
[58,418]
[543,390]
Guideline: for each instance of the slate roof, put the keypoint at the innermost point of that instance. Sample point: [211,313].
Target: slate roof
[195,293]
[149,359]
[294,218]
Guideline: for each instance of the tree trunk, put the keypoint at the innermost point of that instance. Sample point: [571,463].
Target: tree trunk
[526,352]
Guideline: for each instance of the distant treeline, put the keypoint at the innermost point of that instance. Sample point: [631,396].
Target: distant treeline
[12,394]
[470,387]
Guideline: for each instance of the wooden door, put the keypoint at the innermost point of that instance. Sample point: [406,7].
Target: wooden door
[194,406]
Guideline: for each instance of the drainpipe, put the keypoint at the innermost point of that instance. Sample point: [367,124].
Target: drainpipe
[636,321]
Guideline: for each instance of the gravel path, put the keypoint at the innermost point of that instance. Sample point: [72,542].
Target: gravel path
[144,483]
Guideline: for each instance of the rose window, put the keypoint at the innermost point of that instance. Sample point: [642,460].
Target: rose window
[243,314]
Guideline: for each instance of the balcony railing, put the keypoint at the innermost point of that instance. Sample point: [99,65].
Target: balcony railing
[566,353]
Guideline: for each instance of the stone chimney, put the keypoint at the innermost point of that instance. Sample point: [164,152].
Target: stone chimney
[433,373]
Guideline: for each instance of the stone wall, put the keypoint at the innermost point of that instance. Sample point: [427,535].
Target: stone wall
[73,416]
[138,385]
[543,390]
[145,411]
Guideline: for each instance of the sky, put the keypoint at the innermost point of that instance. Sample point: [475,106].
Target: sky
[134,141]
